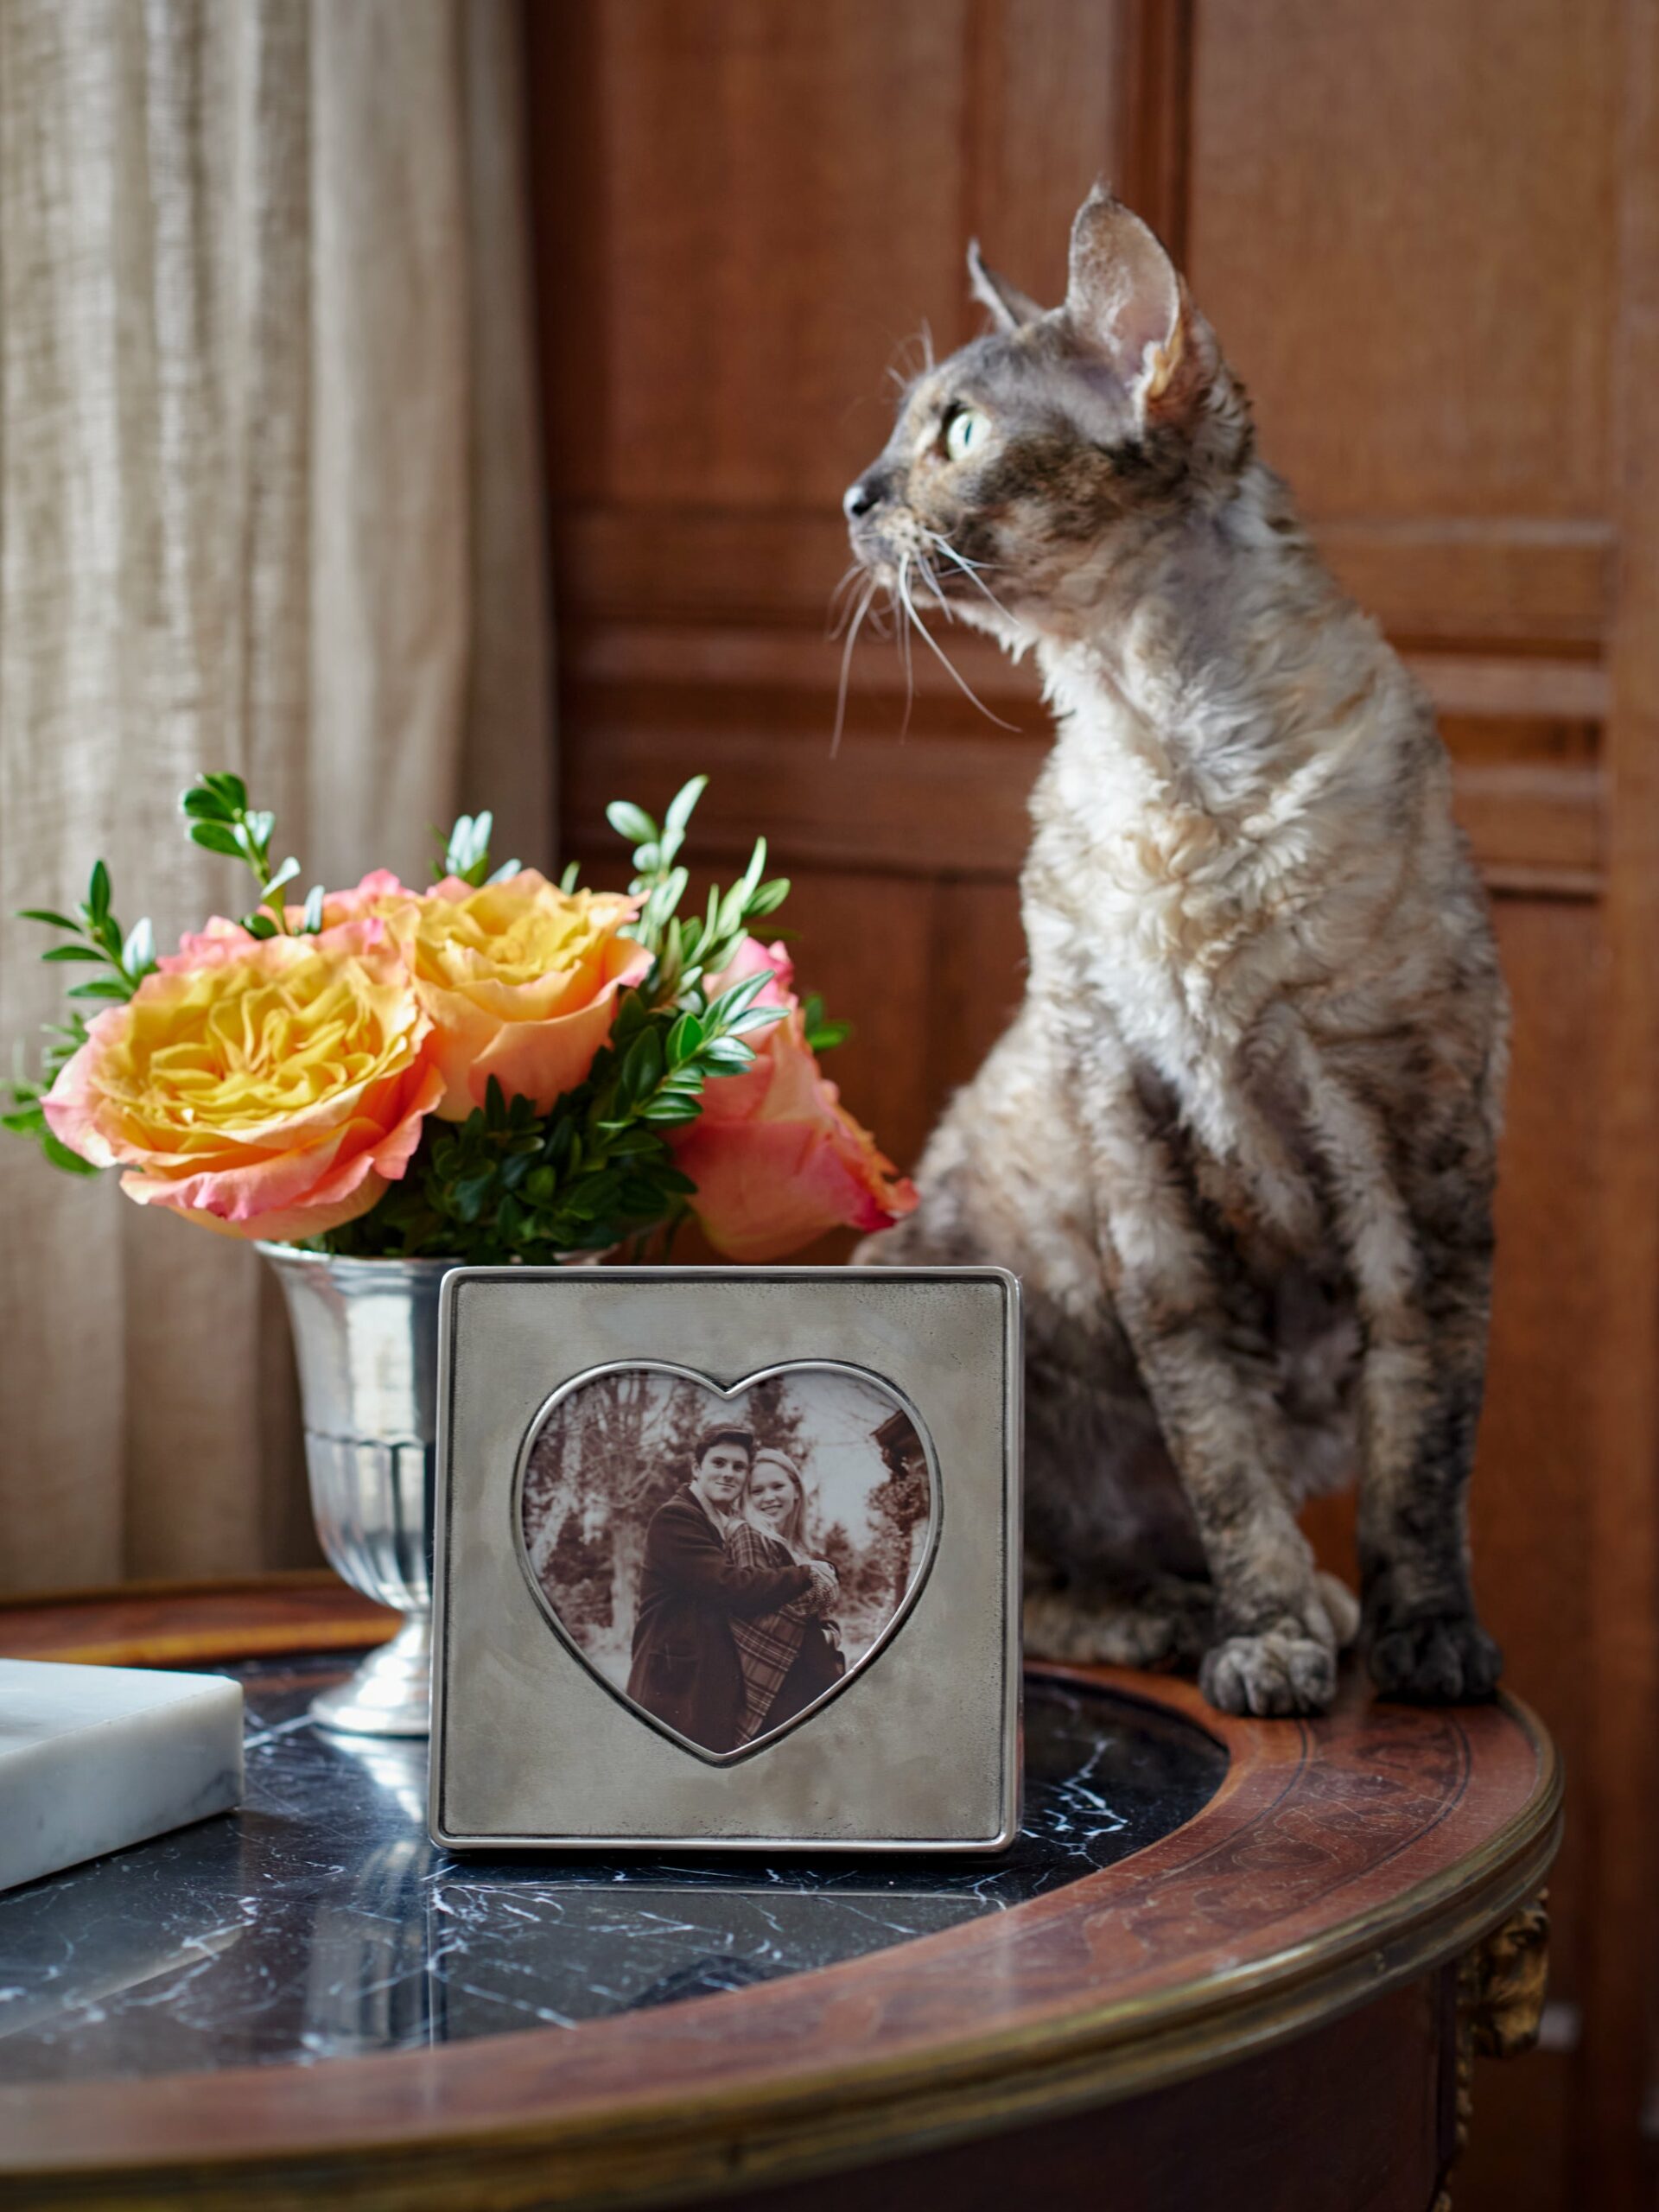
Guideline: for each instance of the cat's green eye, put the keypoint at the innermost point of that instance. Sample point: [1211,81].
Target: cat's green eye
[965,430]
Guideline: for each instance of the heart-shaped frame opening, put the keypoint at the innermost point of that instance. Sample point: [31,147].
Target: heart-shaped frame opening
[675,1532]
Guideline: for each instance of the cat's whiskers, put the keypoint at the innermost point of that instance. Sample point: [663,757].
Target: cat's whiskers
[847,663]
[971,570]
[925,568]
[841,599]
[939,654]
[902,635]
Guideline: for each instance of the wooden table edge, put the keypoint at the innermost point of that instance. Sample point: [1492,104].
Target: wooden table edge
[645,2147]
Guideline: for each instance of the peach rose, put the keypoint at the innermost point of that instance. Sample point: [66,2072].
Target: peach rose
[520,979]
[775,1158]
[265,1088]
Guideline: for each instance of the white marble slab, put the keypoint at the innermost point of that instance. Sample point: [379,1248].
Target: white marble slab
[94,1758]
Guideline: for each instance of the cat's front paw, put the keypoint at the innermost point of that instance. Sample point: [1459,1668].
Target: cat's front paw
[1434,1659]
[1276,1671]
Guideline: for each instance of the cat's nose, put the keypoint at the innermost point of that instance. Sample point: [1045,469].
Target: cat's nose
[862,498]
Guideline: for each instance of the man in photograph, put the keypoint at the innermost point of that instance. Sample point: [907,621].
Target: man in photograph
[685,1665]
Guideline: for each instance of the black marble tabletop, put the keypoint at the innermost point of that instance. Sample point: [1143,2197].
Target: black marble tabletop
[319,1922]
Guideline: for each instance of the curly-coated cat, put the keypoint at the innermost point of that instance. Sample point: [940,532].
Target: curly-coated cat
[1239,1140]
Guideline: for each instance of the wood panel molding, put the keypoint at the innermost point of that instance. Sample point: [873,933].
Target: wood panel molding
[956,807]
[1442,581]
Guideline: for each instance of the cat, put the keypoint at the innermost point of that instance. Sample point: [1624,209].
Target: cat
[1239,1142]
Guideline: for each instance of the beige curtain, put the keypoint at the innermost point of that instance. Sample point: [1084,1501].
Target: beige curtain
[268,500]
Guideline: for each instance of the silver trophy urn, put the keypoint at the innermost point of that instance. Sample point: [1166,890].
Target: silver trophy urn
[366,1335]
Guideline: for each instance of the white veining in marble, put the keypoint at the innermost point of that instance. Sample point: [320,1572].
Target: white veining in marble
[94,1758]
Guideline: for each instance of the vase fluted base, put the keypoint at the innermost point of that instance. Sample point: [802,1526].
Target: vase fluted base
[389,1694]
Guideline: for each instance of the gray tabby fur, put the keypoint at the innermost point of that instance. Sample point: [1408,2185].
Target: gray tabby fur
[1239,1141]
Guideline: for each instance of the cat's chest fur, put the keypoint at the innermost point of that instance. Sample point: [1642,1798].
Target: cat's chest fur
[1173,940]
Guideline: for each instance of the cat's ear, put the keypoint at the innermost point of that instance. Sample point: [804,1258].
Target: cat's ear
[1009,307]
[1126,304]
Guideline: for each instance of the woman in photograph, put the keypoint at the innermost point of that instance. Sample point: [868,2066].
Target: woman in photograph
[790,1657]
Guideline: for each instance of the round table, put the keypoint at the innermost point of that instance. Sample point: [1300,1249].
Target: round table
[1228,1960]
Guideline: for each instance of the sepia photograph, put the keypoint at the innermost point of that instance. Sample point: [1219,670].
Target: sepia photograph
[725,1564]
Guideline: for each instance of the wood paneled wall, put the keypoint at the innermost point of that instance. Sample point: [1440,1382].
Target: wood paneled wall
[1428,235]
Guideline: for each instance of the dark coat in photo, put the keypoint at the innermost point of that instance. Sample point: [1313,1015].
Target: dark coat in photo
[685,1669]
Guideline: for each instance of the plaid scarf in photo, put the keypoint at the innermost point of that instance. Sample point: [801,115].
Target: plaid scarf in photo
[768,1645]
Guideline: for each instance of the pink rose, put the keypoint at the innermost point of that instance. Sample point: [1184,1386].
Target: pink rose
[377,894]
[265,1089]
[775,1158]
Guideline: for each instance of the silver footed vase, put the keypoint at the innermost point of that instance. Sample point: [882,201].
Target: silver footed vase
[365,1336]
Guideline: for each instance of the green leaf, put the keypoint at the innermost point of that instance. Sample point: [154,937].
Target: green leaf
[59,952]
[683,1039]
[138,953]
[680,807]
[630,822]
[667,1108]
[259,925]
[60,1156]
[97,892]
[631,1141]
[672,891]
[204,805]
[730,918]
[495,1105]
[45,915]
[727,1056]
[754,1017]
[470,1193]
[104,987]
[231,789]
[259,823]
[27,1124]
[642,1070]
[216,837]
[285,873]
[768,897]
[823,1035]
[631,1016]
[724,1010]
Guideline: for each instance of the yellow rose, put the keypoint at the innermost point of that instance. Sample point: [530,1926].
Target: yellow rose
[520,979]
[263,1088]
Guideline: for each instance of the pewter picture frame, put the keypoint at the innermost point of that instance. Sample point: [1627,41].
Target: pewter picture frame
[727,1559]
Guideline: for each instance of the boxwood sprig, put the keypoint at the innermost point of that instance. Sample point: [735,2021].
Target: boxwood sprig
[684,950]
[508,1183]
[94,939]
[221,821]
[466,852]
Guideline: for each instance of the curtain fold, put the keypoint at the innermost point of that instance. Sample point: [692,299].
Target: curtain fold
[268,500]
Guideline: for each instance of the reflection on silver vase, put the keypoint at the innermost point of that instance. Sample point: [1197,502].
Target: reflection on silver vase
[365,1333]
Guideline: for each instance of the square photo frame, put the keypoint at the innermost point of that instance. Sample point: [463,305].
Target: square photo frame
[727,1559]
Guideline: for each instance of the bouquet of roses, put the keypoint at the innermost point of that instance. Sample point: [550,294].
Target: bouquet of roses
[495,1068]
